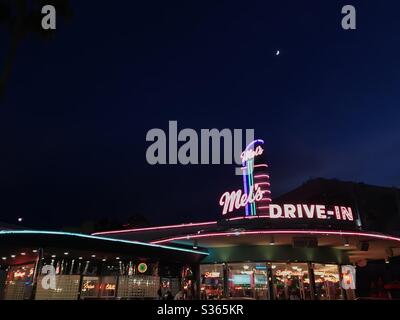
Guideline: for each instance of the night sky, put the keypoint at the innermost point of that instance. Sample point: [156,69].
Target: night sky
[77,107]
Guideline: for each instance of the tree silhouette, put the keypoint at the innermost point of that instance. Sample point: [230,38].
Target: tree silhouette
[23,18]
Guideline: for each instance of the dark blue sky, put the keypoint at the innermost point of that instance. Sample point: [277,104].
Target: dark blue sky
[78,106]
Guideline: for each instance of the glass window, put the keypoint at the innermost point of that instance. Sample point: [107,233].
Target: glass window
[327,282]
[90,287]
[248,280]
[291,281]
[108,287]
[212,281]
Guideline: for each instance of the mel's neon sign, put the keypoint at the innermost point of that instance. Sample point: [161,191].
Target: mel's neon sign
[254,190]
[251,154]
[238,199]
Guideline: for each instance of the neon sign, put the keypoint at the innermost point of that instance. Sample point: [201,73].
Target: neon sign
[212,275]
[255,173]
[237,199]
[23,273]
[88,285]
[110,286]
[19,274]
[251,154]
[314,211]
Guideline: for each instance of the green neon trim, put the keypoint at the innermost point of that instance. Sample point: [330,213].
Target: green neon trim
[253,205]
[80,235]
[249,174]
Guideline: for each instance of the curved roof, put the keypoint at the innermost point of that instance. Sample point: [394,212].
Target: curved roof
[253,231]
[11,240]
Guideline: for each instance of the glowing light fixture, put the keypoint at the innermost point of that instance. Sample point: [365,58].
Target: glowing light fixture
[142,267]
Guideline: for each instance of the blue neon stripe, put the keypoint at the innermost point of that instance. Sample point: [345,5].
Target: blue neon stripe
[80,235]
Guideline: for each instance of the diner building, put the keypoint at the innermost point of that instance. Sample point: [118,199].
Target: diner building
[325,240]
[308,244]
[50,265]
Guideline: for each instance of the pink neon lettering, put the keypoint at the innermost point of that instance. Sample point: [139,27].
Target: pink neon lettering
[337,213]
[243,200]
[289,210]
[347,213]
[320,211]
[309,211]
[299,211]
[235,199]
[250,154]
[275,211]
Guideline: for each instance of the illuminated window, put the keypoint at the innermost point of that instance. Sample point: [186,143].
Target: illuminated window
[212,281]
[248,280]
[327,282]
[291,281]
